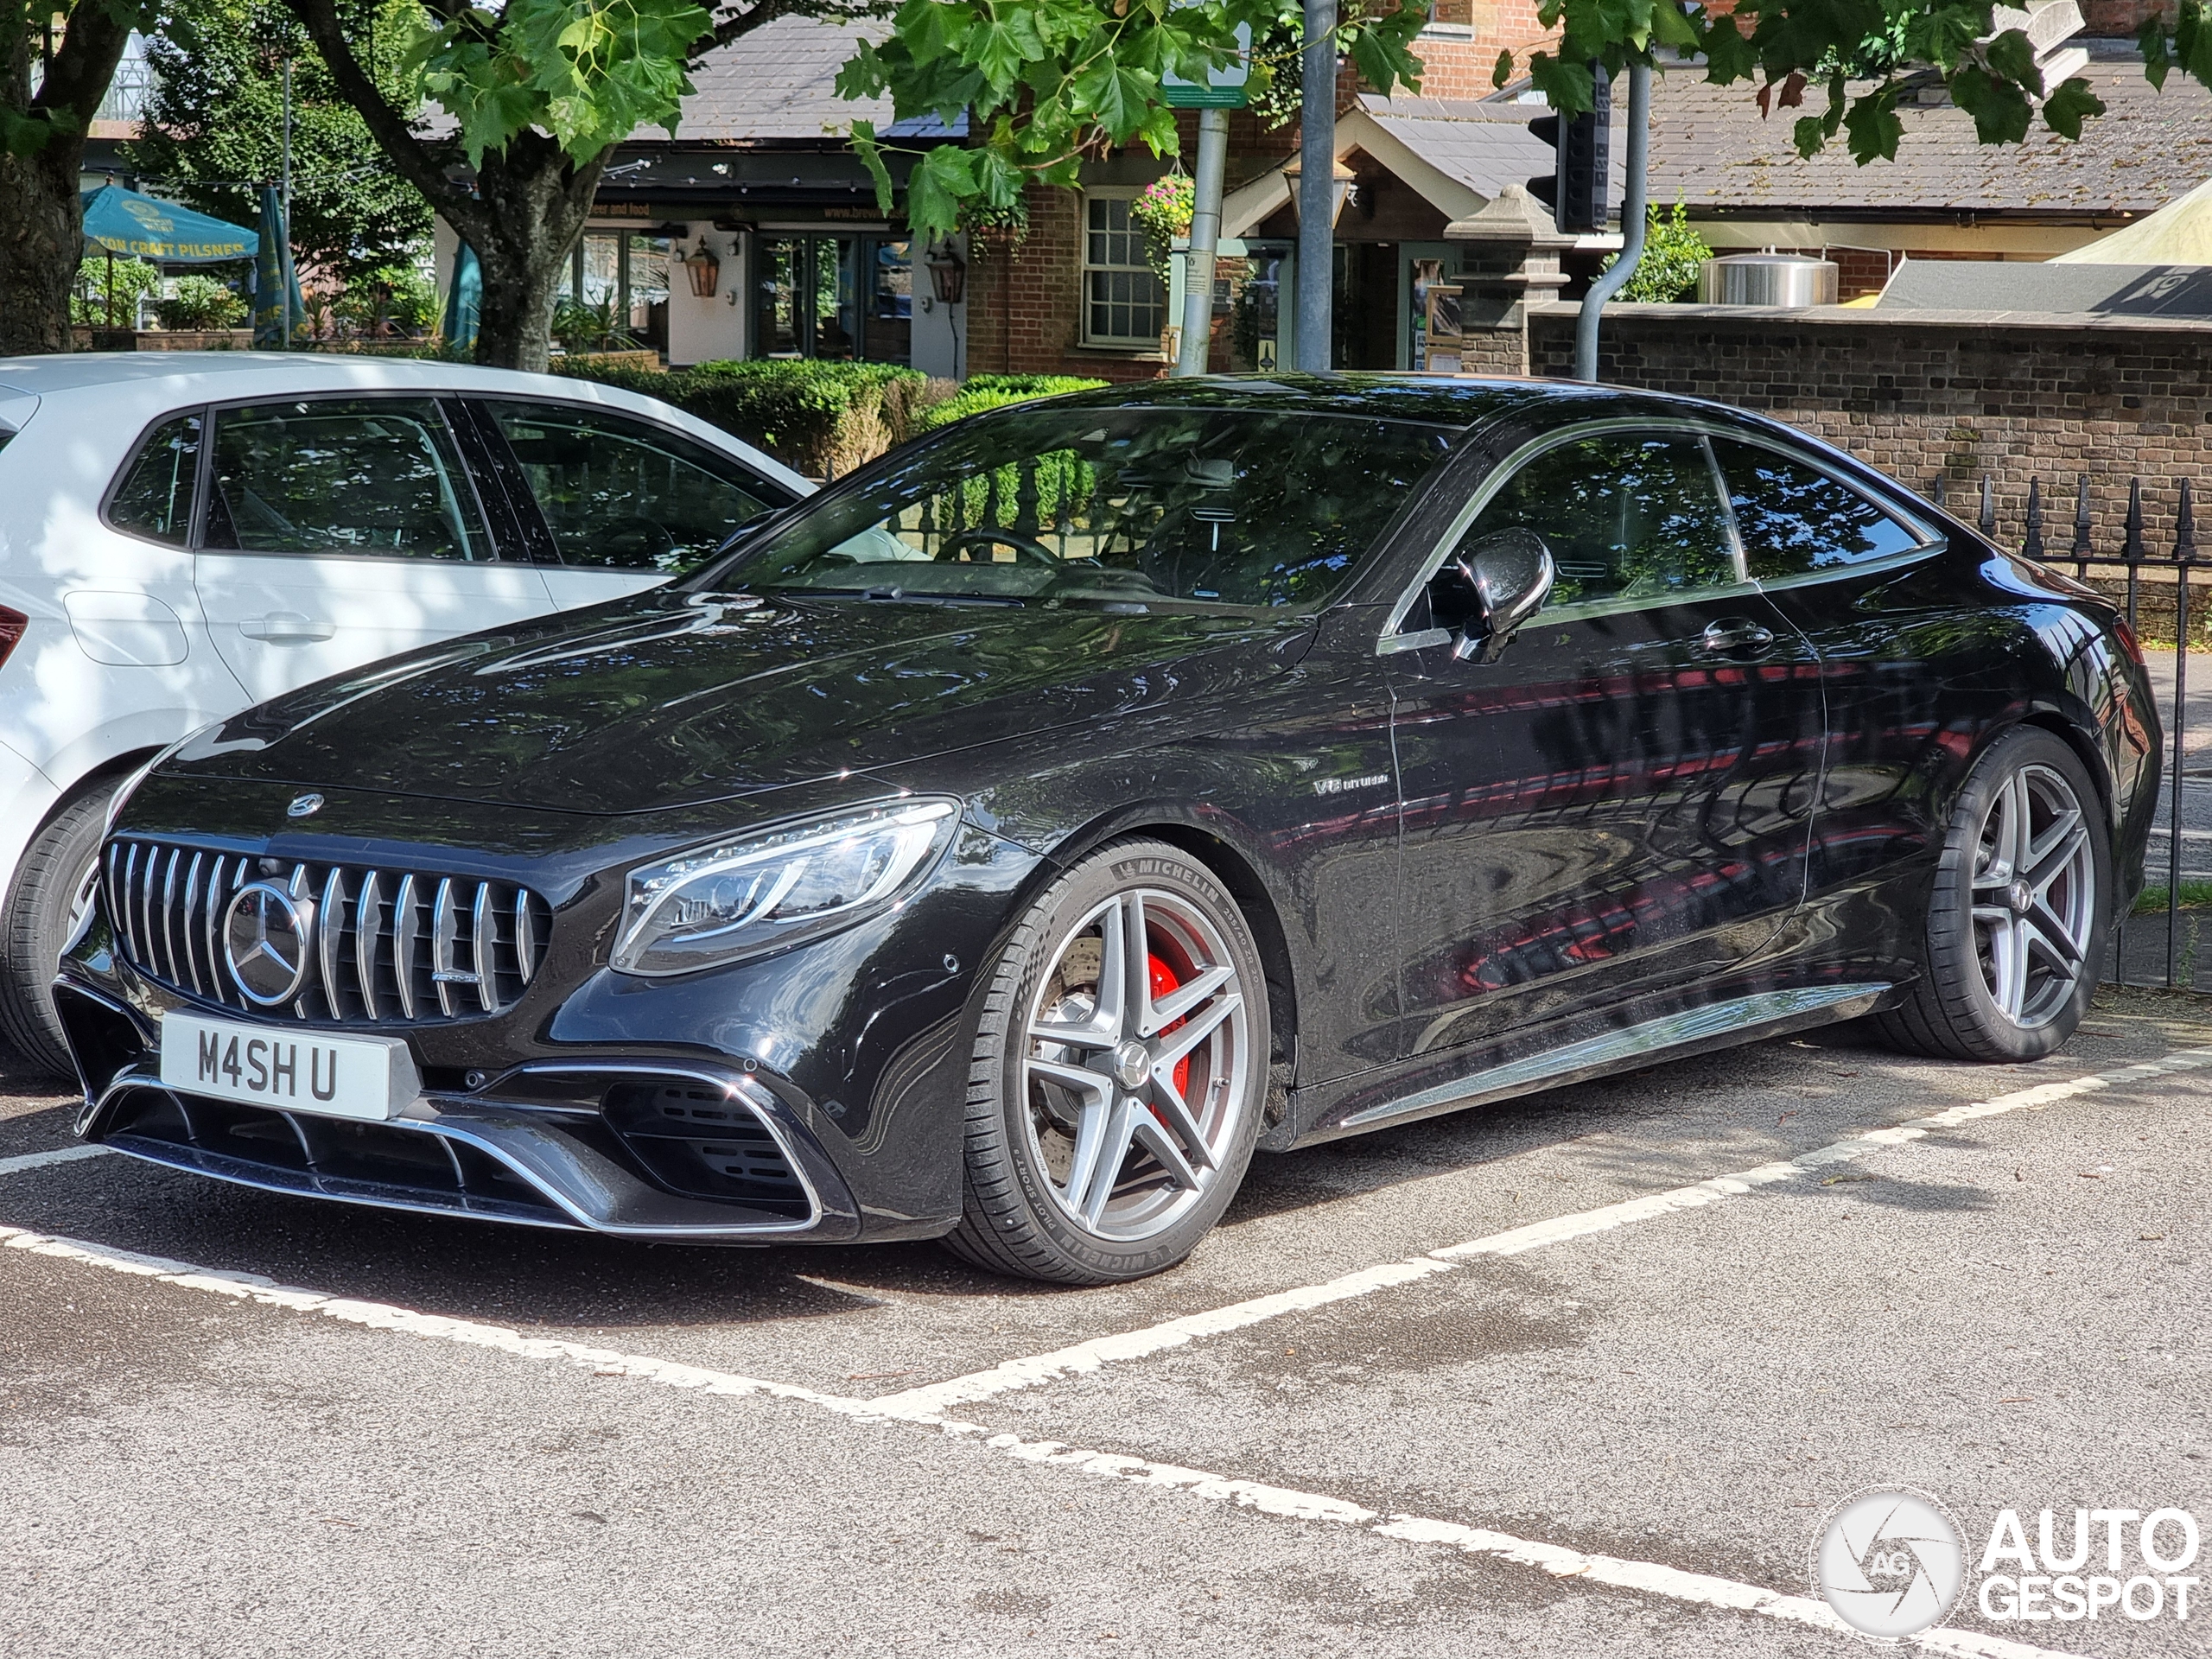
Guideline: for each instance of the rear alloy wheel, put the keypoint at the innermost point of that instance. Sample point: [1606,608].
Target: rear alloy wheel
[2017,922]
[1120,1069]
[52,891]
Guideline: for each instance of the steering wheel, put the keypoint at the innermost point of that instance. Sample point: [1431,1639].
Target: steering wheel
[956,548]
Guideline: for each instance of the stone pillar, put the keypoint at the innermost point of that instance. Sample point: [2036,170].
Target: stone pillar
[1512,260]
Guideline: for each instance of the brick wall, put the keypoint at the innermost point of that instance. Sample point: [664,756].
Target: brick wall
[1924,396]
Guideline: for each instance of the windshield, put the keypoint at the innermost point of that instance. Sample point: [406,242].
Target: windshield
[1193,507]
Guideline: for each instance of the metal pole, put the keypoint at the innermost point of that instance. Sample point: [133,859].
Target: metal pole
[1205,237]
[1632,216]
[1317,161]
[284,255]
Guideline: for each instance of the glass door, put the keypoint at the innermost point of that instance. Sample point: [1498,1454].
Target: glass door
[833,296]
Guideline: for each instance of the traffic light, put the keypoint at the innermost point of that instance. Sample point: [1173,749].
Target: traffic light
[1576,191]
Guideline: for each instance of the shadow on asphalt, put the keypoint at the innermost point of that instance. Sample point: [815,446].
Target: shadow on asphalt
[1681,1122]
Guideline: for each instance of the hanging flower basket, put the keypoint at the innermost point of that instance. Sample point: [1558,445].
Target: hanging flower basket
[1163,212]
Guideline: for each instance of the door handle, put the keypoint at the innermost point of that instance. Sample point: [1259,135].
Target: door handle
[1734,634]
[287,628]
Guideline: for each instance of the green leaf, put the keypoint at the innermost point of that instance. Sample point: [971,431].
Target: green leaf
[1566,86]
[2193,42]
[1670,27]
[2012,57]
[870,151]
[1810,135]
[1874,128]
[1728,54]
[1114,96]
[2064,111]
[2000,109]
[940,182]
[2158,60]
[1504,70]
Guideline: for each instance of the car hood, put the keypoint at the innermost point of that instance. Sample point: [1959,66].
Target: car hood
[671,700]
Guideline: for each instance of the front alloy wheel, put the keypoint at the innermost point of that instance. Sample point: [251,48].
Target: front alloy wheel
[1119,1072]
[2017,915]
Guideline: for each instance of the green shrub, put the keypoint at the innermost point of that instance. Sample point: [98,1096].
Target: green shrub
[201,302]
[403,299]
[985,391]
[88,300]
[1673,253]
[820,417]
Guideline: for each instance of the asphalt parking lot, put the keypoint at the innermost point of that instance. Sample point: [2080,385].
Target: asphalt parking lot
[236,1423]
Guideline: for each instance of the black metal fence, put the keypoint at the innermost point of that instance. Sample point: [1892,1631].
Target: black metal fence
[2169,571]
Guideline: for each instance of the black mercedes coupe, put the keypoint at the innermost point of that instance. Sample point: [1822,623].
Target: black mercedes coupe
[1004,843]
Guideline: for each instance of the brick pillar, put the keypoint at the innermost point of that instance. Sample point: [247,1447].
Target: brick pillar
[1512,258]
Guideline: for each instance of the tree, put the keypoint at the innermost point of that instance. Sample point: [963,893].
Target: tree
[213,129]
[1045,83]
[538,93]
[56,60]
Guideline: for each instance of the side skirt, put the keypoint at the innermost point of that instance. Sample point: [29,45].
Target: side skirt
[1718,1025]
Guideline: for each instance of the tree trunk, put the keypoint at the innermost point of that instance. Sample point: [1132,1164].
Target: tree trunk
[522,215]
[42,233]
[535,202]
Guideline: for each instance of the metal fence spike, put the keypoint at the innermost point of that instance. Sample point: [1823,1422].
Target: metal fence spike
[1988,506]
[2131,550]
[2184,528]
[2031,544]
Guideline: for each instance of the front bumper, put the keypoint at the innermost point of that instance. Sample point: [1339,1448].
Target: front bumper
[651,1149]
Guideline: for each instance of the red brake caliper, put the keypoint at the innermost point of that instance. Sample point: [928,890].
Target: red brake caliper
[1164,981]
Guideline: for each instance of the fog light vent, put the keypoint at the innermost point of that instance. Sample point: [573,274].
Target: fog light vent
[696,1140]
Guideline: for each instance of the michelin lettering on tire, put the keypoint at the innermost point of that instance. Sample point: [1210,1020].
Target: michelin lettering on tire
[1890,1561]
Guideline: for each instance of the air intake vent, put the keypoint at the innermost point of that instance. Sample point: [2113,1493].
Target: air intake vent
[383,946]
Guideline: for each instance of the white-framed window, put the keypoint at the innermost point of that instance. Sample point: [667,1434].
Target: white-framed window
[1123,303]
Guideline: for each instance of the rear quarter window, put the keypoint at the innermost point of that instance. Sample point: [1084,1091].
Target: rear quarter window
[153,492]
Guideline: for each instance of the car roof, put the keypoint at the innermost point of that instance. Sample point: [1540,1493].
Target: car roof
[178,378]
[238,373]
[1453,401]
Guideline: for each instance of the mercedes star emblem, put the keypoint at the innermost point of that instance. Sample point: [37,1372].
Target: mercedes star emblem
[303,806]
[268,940]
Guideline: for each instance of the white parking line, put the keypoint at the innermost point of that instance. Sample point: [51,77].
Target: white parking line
[1036,1369]
[1642,1577]
[60,1155]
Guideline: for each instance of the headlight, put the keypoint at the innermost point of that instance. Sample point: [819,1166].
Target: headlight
[744,897]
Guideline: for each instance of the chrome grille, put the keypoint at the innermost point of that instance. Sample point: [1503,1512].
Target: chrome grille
[389,945]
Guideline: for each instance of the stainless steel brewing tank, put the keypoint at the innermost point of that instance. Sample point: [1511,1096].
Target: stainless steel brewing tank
[1782,279]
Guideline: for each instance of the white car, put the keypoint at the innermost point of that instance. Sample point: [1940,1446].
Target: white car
[185,534]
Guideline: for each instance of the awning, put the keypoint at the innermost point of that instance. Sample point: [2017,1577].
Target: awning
[124,222]
[2179,233]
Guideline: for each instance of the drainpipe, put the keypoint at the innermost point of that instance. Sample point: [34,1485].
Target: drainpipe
[1206,238]
[1633,222]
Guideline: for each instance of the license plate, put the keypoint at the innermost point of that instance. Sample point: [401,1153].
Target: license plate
[370,1078]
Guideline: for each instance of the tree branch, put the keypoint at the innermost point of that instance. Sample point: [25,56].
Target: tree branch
[84,65]
[414,159]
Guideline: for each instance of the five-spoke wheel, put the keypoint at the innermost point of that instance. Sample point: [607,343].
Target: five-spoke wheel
[1120,1070]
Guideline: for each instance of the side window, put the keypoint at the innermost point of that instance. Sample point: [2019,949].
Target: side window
[152,496]
[1795,520]
[623,495]
[369,475]
[1626,516]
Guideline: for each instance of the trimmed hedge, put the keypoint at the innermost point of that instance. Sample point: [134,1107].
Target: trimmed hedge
[818,417]
[984,391]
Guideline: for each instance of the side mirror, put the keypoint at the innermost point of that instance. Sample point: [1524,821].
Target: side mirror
[1488,589]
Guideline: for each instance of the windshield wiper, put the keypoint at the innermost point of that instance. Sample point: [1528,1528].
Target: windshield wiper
[900,596]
